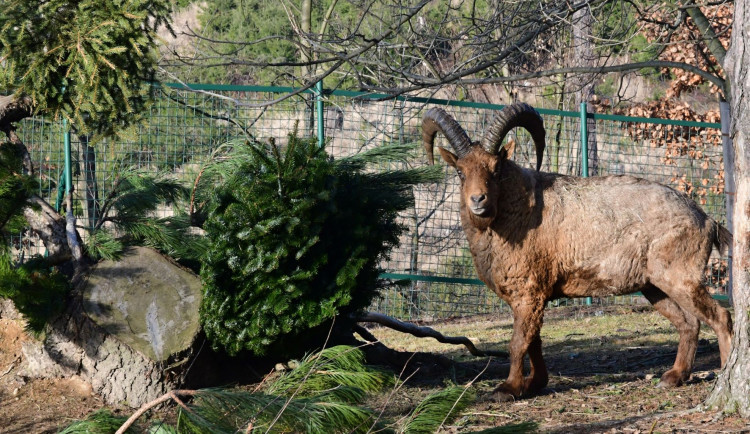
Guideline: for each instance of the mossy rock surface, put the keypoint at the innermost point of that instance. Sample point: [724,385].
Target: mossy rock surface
[146,301]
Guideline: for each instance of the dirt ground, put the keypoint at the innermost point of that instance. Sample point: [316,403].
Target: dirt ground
[604,366]
[36,406]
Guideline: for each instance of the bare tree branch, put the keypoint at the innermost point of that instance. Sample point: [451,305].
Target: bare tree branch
[172,394]
[601,70]
[425,332]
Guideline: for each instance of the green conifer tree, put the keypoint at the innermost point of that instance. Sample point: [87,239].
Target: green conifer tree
[296,240]
[89,61]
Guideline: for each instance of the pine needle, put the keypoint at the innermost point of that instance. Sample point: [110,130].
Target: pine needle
[99,422]
[438,409]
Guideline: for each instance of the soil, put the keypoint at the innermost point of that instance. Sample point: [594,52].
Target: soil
[604,369]
[40,405]
[604,364]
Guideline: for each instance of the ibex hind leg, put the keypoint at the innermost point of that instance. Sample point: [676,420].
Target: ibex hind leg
[694,298]
[688,327]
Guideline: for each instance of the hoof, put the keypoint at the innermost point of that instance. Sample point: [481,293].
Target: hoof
[505,393]
[534,385]
[500,397]
[672,379]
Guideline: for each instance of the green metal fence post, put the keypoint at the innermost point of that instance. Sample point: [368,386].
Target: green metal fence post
[68,172]
[585,154]
[584,142]
[320,117]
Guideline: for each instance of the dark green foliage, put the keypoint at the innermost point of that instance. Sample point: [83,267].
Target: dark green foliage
[132,207]
[229,412]
[325,393]
[339,373]
[38,293]
[438,409]
[319,396]
[296,239]
[102,244]
[99,422]
[14,190]
[89,61]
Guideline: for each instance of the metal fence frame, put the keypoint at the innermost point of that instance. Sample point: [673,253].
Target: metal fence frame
[396,301]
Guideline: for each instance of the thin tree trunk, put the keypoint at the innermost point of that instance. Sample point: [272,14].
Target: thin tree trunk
[731,392]
[305,59]
[90,186]
[585,56]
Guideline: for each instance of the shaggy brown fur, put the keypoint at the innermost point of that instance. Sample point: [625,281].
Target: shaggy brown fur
[538,236]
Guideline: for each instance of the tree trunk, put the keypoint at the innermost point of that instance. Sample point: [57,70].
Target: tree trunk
[583,50]
[89,185]
[305,59]
[731,392]
[130,329]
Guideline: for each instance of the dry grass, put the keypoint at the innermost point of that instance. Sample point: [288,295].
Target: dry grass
[604,367]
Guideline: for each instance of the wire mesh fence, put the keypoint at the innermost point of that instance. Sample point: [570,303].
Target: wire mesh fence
[435,270]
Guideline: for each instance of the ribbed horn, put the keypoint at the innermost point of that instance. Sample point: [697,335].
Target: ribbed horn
[516,115]
[436,119]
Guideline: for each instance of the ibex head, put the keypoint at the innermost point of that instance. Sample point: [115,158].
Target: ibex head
[479,164]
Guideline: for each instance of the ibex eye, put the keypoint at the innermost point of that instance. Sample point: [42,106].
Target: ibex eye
[461,175]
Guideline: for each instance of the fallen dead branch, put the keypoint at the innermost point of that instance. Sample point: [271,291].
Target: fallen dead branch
[422,332]
[174,395]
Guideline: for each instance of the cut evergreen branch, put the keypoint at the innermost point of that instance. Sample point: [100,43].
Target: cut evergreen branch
[99,422]
[89,61]
[229,412]
[318,396]
[439,408]
[296,240]
[306,400]
[338,371]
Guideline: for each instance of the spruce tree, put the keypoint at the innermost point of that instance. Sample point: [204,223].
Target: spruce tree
[89,61]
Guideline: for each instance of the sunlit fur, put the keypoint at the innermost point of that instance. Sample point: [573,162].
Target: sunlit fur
[538,236]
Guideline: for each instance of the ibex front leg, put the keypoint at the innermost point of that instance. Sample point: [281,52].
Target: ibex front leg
[527,321]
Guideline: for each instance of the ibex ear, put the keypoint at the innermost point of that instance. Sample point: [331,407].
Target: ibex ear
[448,156]
[506,152]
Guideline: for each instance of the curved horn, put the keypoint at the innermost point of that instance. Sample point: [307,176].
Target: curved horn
[515,115]
[436,119]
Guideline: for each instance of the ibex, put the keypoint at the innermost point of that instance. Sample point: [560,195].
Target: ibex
[538,236]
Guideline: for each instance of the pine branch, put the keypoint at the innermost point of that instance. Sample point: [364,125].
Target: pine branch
[437,409]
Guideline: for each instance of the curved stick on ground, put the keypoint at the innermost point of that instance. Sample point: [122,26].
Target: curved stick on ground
[174,395]
[424,332]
